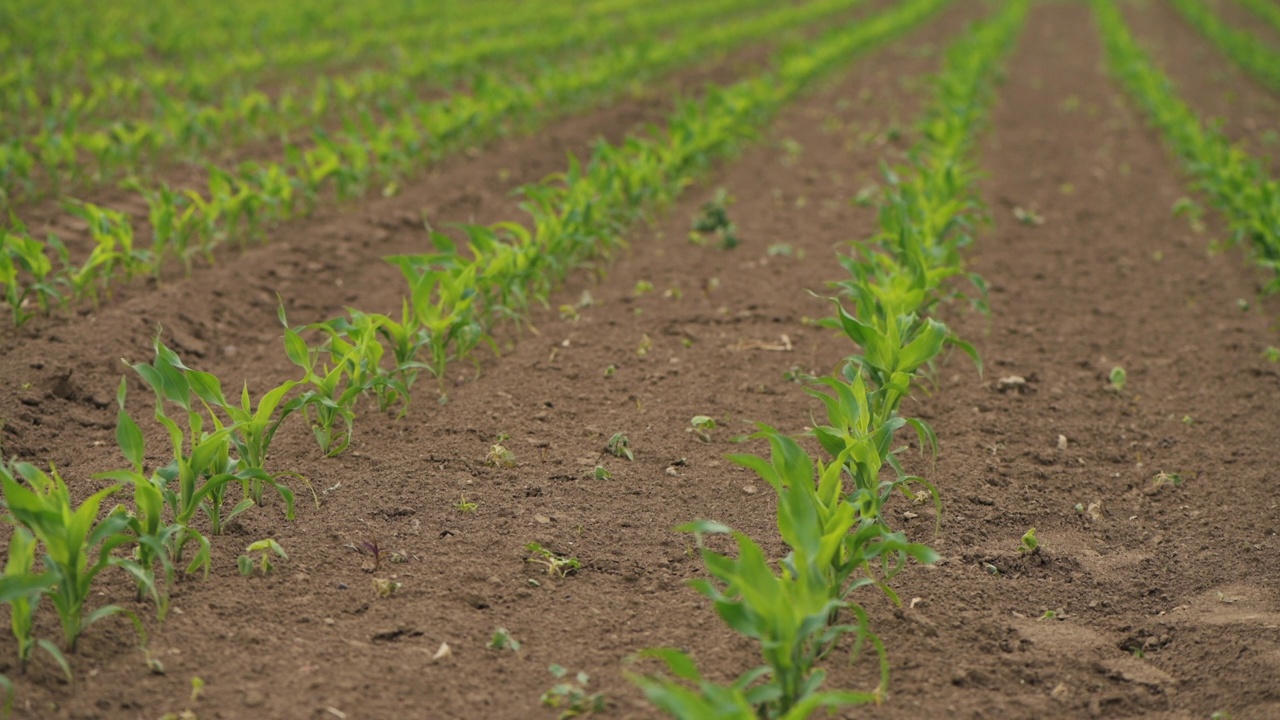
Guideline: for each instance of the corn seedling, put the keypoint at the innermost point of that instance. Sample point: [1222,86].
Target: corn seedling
[714,219]
[385,587]
[332,391]
[464,505]
[1116,379]
[500,457]
[153,536]
[702,425]
[553,564]
[22,588]
[27,274]
[265,548]
[619,446]
[78,545]
[787,613]
[502,640]
[1029,545]
[442,293]
[812,508]
[360,332]
[203,466]
[692,697]
[571,695]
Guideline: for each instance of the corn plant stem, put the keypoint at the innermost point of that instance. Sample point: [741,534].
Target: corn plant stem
[1235,183]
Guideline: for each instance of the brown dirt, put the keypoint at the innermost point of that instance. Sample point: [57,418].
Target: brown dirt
[1184,575]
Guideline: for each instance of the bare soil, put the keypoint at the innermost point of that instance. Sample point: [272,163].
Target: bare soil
[1165,596]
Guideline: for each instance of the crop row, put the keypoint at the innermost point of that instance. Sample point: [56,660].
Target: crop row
[96,59]
[40,275]
[841,541]
[1266,10]
[1236,183]
[68,148]
[219,444]
[1244,48]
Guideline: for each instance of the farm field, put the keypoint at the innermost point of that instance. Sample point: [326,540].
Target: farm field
[531,303]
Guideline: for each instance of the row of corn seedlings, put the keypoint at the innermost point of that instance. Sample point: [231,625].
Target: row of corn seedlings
[65,150]
[839,540]
[38,275]
[1234,182]
[1245,49]
[98,69]
[1265,10]
[220,445]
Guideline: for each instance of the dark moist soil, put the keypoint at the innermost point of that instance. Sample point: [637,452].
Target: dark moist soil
[1165,596]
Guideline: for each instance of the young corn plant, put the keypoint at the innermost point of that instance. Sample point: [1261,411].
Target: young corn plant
[811,499]
[715,220]
[77,544]
[332,391]
[442,293]
[864,444]
[22,588]
[787,612]
[253,429]
[153,537]
[31,285]
[196,480]
[365,332]
[264,548]
[113,250]
[691,697]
